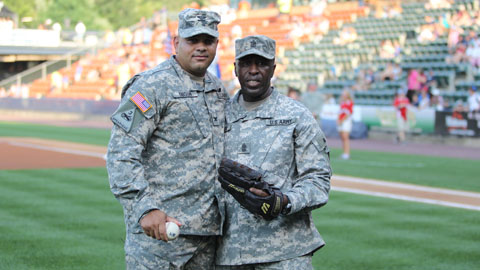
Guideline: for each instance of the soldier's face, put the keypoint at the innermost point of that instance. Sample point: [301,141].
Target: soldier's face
[195,54]
[254,74]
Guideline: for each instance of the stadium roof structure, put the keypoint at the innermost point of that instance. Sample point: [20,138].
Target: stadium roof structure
[5,12]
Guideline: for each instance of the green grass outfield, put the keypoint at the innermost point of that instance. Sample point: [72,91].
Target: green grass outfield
[68,219]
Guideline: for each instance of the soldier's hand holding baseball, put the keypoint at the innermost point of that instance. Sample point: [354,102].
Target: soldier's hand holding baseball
[153,224]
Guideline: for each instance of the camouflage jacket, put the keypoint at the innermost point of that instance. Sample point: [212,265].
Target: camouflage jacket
[282,139]
[165,148]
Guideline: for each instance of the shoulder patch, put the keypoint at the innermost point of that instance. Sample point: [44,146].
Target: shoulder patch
[141,102]
[124,119]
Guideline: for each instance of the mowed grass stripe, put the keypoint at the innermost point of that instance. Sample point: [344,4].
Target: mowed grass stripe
[364,232]
[451,173]
[47,224]
[96,136]
[61,183]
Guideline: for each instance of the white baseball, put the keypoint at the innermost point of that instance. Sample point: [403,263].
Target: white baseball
[172,230]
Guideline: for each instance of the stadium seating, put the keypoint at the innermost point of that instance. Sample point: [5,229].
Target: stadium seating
[310,58]
[363,53]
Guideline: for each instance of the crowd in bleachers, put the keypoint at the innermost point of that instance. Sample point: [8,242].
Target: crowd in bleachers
[389,45]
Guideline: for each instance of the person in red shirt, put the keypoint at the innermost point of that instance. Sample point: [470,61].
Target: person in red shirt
[401,104]
[344,122]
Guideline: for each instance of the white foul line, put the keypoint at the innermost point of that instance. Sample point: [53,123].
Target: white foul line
[405,186]
[407,198]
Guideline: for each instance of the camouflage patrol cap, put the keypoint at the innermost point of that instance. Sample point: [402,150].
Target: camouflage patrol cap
[192,22]
[259,45]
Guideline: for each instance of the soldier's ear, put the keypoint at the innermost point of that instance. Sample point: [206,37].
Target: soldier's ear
[235,68]
[176,40]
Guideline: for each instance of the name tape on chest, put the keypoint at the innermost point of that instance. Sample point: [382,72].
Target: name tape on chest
[141,102]
[280,122]
[185,94]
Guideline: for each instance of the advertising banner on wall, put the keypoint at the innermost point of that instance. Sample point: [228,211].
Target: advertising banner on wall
[458,123]
[384,117]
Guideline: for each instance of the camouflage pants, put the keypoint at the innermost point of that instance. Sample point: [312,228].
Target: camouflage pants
[299,263]
[188,252]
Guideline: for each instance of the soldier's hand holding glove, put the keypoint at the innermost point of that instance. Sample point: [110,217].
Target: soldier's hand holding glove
[237,179]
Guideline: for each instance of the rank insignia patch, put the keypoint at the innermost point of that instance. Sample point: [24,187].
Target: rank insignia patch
[141,102]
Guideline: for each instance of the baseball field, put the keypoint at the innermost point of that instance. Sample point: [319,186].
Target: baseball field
[389,208]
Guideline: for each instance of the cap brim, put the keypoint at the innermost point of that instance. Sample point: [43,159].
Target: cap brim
[256,52]
[197,31]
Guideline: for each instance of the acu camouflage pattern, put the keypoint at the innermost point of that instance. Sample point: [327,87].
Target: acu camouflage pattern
[258,44]
[298,263]
[174,255]
[169,158]
[282,139]
[192,22]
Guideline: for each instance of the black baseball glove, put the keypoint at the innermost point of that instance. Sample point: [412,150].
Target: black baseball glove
[237,179]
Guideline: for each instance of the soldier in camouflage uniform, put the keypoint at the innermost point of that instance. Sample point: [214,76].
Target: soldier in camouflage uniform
[274,134]
[165,149]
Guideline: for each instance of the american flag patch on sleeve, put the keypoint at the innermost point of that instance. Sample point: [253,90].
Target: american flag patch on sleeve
[141,102]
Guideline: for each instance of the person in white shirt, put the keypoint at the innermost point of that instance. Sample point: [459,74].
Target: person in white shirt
[473,99]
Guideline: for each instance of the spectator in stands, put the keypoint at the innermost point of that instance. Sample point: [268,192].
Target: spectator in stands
[365,78]
[392,72]
[387,50]
[164,152]
[459,106]
[423,99]
[473,52]
[317,7]
[401,104]
[80,30]
[123,72]
[244,7]
[284,6]
[78,71]
[462,17]
[437,102]
[345,122]
[347,35]
[427,33]
[57,27]
[56,82]
[423,80]
[298,29]
[454,35]
[93,75]
[293,93]
[459,54]
[430,79]
[127,37]
[323,26]
[438,4]
[473,99]
[413,84]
